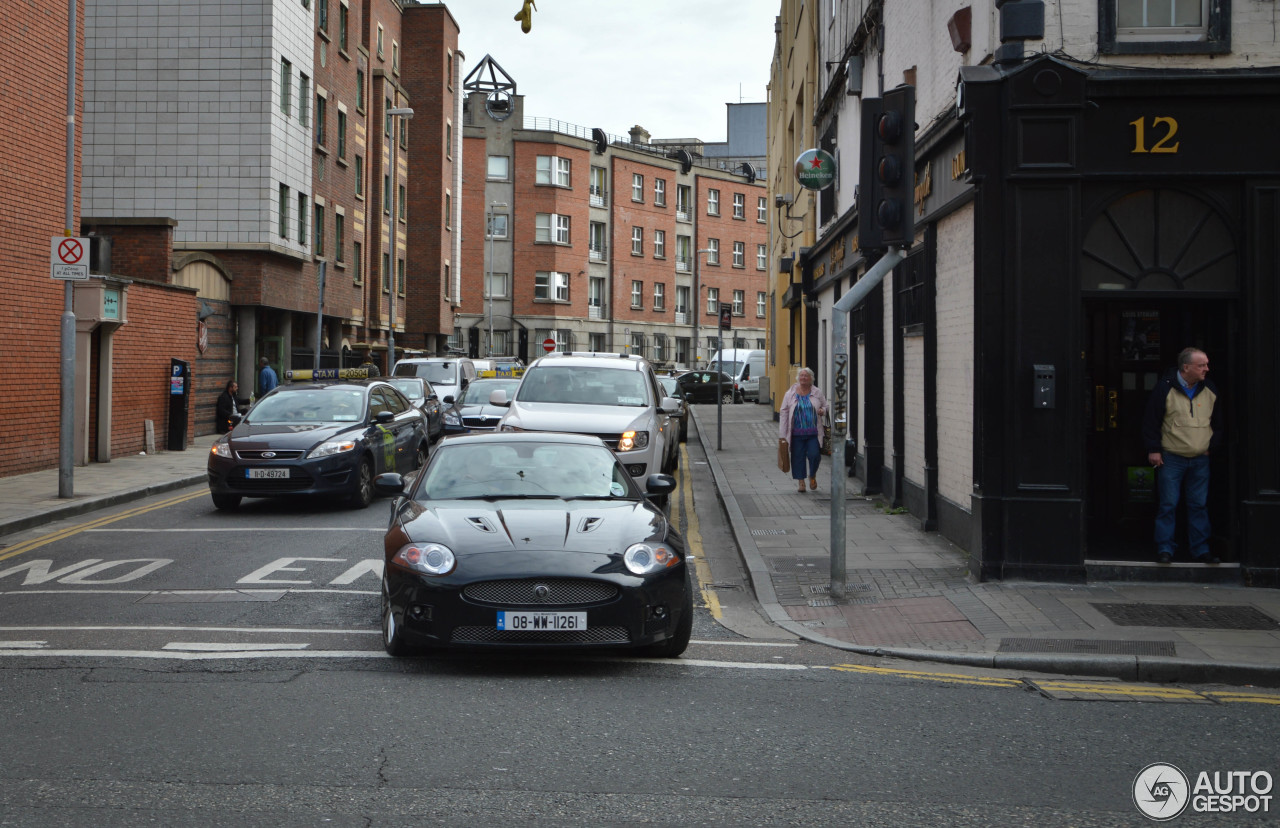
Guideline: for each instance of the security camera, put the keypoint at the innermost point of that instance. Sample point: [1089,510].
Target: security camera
[782,198]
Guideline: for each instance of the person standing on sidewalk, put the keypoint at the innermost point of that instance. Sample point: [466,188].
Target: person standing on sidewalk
[226,406]
[804,407]
[267,379]
[1182,423]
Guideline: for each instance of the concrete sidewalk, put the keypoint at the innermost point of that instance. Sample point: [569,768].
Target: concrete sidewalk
[909,594]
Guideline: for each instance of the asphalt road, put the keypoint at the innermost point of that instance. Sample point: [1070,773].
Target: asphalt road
[170,664]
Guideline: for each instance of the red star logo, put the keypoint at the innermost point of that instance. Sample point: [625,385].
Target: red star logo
[817,162]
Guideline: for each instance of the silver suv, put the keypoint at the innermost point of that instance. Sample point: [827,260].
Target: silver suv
[615,397]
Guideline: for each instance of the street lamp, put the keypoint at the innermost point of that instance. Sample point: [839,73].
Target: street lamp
[394,178]
[489,286]
[697,300]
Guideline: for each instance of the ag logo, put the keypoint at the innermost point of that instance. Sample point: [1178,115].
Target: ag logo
[1161,791]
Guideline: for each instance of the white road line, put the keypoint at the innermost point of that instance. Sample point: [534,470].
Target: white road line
[699,662]
[22,645]
[170,591]
[254,529]
[149,628]
[745,643]
[211,647]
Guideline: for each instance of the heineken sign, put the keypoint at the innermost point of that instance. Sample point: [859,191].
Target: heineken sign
[815,169]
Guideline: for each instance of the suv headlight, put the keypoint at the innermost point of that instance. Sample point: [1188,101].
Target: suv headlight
[648,558]
[452,417]
[222,449]
[332,447]
[426,558]
[633,440]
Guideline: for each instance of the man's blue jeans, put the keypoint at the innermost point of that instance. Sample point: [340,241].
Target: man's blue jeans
[1177,472]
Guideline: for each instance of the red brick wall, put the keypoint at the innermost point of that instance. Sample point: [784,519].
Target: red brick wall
[728,230]
[474,170]
[140,251]
[649,217]
[532,198]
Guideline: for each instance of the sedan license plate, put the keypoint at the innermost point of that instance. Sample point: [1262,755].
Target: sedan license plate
[267,474]
[521,621]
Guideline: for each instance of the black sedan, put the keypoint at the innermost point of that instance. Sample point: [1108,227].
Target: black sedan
[471,411]
[419,392]
[318,439]
[700,387]
[530,541]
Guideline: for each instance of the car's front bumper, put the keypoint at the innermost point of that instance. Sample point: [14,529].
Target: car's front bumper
[333,475]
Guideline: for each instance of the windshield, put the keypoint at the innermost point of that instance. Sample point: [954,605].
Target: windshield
[584,385]
[309,405]
[478,392]
[513,470]
[437,373]
[412,388]
[730,368]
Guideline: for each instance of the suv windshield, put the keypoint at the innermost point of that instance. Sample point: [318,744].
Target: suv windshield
[309,405]
[584,385]
[436,373]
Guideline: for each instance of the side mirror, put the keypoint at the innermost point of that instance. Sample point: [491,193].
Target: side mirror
[389,483]
[384,417]
[499,398]
[656,484]
[448,399]
[670,405]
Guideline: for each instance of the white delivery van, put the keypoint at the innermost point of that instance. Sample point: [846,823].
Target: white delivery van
[745,366]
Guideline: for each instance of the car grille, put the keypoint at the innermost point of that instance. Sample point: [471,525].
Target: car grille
[481,423]
[490,635]
[276,454]
[296,481]
[561,592]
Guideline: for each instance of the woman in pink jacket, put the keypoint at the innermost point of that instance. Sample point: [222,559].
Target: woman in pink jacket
[804,408]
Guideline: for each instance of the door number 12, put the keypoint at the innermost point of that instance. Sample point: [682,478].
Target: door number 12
[1162,145]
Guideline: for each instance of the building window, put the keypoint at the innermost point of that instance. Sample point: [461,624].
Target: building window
[386,194]
[684,201]
[595,241]
[497,226]
[386,273]
[762,257]
[682,302]
[551,286]
[283,223]
[339,231]
[400,277]
[357,272]
[1164,27]
[760,304]
[380,41]
[386,118]
[360,90]
[637,241]
[739,302]
[684,254]
[659,296]
[660,192]
[762,209]
[317,232]
[637,344]
[659,244]
[448,286]
[304,98]
[637,187]
[404,134]
[302,219]
[739,206]
[324,15]
[448,70]
[713,251]
[713,202]
[551,227]
[395,57]
[342,27]
[322,115]
[286,86]
[596,342]
[637,294]
[595,298]
[713,301]
[597,186]
[401,208]
[739,254]
[553,170]
[495,286]
[359,177]
[342,134]
[499,168]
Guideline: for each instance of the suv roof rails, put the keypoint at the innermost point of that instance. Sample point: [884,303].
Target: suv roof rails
[594,354]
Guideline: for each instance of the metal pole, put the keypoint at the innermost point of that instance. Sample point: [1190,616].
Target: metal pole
[840,414]
[67,387]
[488,288]
[697,300]
[315,364]
[719,383]
[391,259]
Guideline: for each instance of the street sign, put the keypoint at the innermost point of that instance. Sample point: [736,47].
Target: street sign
[548,344]
[726,316]
[69,258]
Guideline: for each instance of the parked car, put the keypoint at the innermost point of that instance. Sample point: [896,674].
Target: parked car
[745,366]
[472,411]
[316,439]
[477,554]
[673,389]
[701,387]
[612,396]
[448,375]
[424,396]
[491,367]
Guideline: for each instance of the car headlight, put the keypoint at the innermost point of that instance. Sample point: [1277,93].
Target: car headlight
[505,427]
[633,440]
[222,449]
[648,558]
[332,447]
[452,417]
[426,558]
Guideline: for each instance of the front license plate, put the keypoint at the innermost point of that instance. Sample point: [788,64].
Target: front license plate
[520,621]
[267,474]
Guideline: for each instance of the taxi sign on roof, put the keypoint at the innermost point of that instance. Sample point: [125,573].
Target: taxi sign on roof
[305,375]
[505,371]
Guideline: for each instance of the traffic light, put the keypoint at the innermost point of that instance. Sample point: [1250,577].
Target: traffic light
[886,185]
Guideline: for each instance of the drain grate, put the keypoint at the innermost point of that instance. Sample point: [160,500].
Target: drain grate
[723,586]
[822,602]
[1193,617]
[1076,645]
[759,532]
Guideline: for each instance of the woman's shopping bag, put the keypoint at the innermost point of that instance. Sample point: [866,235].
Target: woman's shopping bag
[784,456]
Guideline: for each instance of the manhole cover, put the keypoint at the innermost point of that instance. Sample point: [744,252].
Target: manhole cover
[1194,617]
[1076,645]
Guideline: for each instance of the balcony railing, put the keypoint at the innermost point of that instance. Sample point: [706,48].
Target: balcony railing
[596,254]
[683,264]
[682,318]
[595,312]
[682,214]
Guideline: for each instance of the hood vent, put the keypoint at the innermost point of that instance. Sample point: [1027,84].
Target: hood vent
[481,524]
[590,524]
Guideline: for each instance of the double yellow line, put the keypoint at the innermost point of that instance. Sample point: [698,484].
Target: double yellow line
[43,540]
[693,537]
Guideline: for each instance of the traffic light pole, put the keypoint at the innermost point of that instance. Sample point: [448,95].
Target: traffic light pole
[840,406]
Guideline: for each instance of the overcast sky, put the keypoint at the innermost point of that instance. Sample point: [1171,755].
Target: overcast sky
[668,65]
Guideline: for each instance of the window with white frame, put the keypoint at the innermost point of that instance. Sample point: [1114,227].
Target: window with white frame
[762,209]
[682,299]
[1164,26]
[497,226]
[595,297]
[660,192]
[739,206]
[684,201]
[762,256]
[713,301]
[659,244]
[595,240]
[659,348]
[495,285]
[761,299]
[659,296]
[739,254]
[637,294]
[739,302]
[499,168]
[637,187]
[554,170]
[713,251]
[598,179]
[637,344]
[713,202]
[563,338]
[551,228]
[637,241]
[551,286]
[684,253]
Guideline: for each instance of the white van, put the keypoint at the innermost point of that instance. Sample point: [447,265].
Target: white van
[745,366]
